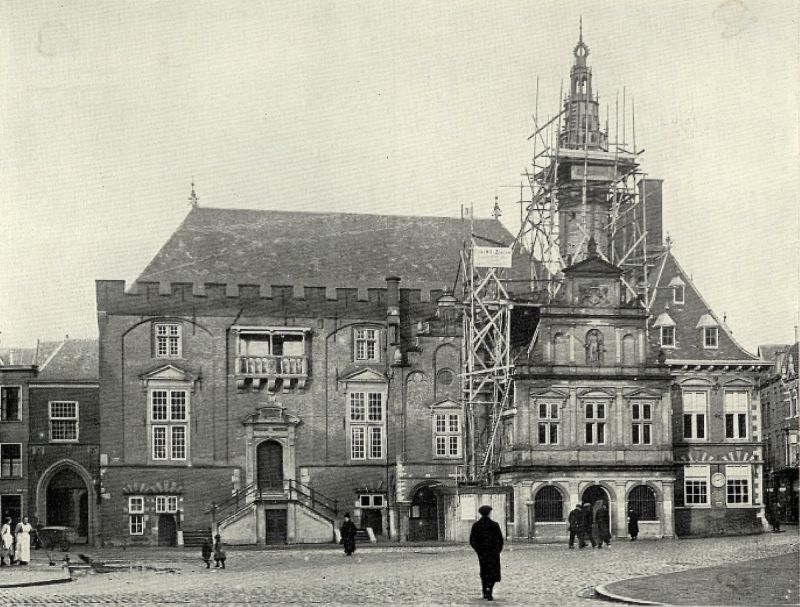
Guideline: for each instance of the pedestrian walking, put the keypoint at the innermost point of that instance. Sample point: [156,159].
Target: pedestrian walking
[487,541]
[348,535]
[575,525]
[219,552]
[206,552]
[6,544]
[775,515]
[586,525]
[23,537]
[601,532]
[633,523]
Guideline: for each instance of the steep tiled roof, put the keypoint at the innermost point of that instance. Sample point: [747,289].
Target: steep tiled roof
[689,344]
[76,359]
[234,246]
[28,356]
[770,351]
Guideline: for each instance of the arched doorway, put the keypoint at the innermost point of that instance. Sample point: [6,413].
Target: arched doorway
[269,466]
[424,522]
[68,502]
[594,493]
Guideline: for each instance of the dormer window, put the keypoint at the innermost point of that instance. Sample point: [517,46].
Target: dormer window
[168,340]
[678,290]
[667,329]
[710,328]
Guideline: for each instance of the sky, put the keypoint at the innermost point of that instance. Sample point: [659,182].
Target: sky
[109,110]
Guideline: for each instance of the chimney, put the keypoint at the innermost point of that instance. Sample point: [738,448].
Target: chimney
[393,309]
[650,195]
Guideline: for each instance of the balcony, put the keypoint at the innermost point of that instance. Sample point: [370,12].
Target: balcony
[290,371]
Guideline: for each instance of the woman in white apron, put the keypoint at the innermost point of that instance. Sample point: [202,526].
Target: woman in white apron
[23,531]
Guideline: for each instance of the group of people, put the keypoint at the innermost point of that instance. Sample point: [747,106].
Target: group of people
[15,548]
[217,550]
[587,522]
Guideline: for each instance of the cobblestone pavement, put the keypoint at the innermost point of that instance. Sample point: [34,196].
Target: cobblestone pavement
[441,575]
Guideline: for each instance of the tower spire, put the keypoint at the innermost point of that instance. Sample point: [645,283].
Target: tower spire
[580,29]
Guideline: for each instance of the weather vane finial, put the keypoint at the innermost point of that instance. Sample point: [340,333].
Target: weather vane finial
[580,28]
[193,199]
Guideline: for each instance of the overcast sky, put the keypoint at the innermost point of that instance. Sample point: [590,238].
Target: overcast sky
[109,109]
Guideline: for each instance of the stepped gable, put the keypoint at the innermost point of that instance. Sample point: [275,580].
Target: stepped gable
[695,310]
[76,359]
[235,246]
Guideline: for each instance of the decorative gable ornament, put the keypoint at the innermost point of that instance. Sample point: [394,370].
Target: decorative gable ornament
[677,281]
[445,404]
[364,375]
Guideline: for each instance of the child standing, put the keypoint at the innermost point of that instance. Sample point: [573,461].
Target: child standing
[219,552]
[206,552]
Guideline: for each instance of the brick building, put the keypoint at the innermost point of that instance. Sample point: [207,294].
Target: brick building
[49,434]
[779,390]
[280,369]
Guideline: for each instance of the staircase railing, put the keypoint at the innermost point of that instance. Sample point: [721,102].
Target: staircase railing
[288,489]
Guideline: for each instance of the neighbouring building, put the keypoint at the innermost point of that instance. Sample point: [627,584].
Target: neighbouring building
[270,371]
[779,390]
[64,437]
[49,424]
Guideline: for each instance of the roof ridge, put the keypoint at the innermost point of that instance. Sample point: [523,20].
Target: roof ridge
[349,213]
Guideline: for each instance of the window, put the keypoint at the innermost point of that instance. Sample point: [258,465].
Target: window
[668,337]
[10,460]
[169,414]
[166,504]
[366,344]
[643,500]
[548,505]
[793,406]
[641,423]
[549,422]
[738,485]
[63,421]
[367,425]
[678,293]
[447,434]
[136,514]
[711,337]
[695,485]
[371,500]
[735,406]
[695,404]
[595,413]
[9,404]
[168,340]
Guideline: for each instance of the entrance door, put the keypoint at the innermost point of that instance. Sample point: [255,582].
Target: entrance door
[11,507]
[269,456]
[276,526]
[372,517]
[424,521]
[594,495]
[167,530]
[67,502]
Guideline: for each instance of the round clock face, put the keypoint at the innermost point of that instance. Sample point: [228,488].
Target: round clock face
[718,479]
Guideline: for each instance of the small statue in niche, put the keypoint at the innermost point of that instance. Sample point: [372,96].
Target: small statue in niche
[594,348]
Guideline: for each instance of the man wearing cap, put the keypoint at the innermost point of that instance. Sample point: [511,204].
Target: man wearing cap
[487,541]
[576,527]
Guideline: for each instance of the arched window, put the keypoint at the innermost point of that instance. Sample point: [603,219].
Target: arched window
[548,505]
[643,499]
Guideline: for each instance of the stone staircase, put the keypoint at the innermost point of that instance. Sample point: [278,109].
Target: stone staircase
[194,538]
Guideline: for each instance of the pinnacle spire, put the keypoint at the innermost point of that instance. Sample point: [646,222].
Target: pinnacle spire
[194,201]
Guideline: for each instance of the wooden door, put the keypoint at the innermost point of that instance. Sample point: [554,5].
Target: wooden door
[269,457]
[276,526]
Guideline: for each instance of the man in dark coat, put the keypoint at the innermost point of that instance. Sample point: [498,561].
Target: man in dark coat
[487,541]
[575,527]
[586,527]
[633,523]
[348,535]
[601,532]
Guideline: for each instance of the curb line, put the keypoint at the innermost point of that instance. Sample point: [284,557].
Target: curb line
[37,583]
[618,598]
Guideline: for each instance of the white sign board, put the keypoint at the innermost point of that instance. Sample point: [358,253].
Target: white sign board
[491,257]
